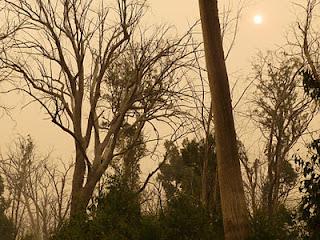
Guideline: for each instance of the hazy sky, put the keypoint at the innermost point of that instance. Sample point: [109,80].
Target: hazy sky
[277,16]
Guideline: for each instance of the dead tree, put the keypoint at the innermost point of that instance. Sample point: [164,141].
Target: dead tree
[93,72]
[306,37]
[8,28]
[38,191]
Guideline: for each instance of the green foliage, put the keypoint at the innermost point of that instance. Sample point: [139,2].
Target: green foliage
[182,172]
[310,84]
[127,165]
[117,216]
[310,169]
[287,179]
[118,213]
[151,228]
[310,188]
[113,216]
[75,228]
[186,219]
[275,227]
[7,230]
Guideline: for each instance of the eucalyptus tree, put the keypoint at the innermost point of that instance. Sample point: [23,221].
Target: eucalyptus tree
[94,71]
[235,216]
[282,113]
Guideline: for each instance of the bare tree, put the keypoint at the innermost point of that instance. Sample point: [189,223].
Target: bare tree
[38,191]
[235,217]
[230,17]
[8,28]
[93,71]
[306,37]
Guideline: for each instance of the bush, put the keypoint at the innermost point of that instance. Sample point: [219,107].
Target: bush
[310,188]
[186,219]
[117,216]
[275,227]
[113,216]
[76,228]
[7,229]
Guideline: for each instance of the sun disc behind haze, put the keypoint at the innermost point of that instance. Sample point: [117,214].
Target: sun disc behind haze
[257,19]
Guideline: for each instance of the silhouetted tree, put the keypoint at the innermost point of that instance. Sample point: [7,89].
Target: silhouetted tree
[183,169]
[37,190]
[282,114]
[93,73]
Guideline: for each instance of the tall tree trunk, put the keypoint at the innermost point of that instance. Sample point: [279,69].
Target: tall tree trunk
[78,206]
[235,216]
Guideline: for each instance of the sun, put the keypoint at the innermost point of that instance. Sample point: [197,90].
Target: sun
[257,19]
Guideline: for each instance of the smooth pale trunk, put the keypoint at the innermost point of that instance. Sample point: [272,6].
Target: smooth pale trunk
[235,216]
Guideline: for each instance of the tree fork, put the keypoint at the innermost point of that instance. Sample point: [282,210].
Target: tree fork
[235,216]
